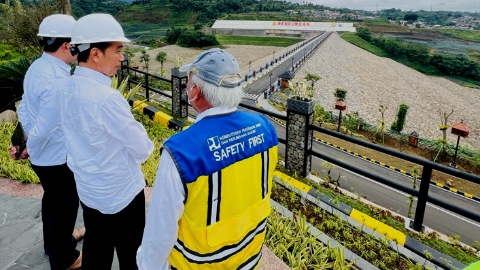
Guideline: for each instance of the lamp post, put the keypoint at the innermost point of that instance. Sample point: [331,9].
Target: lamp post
[249,65]
[292,64]
[461,130]
[273,56]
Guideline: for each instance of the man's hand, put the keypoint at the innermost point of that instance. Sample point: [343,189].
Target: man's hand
[13,151]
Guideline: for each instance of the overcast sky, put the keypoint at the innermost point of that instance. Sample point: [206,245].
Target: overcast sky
[453,5]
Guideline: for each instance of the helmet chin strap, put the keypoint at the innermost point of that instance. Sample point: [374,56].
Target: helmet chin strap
[76,49]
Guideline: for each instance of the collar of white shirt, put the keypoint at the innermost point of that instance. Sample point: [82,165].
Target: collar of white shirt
[54,60]
[90,73]
[214,111]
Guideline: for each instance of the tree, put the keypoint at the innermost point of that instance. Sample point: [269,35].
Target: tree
[320,115]
[145,59]
[381,124]
[64,7]
[410,17]
[364,33]
[313,78]
[443,127]
[399,122]
[161,57]
[22,22]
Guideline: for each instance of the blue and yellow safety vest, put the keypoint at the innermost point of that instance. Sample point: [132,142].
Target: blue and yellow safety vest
[226,164]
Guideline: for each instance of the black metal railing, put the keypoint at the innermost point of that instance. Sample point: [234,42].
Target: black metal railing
[146,81]
[421,194]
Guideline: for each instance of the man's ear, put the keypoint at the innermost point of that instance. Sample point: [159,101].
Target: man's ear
[66,47]
[95,54]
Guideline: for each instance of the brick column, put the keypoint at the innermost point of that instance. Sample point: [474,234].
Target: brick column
[299,138]
[179,93]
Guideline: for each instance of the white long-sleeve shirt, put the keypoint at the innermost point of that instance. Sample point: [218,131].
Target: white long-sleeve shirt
[165,210]
[105,144]
[37,111]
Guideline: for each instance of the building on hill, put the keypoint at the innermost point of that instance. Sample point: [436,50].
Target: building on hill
[276,28]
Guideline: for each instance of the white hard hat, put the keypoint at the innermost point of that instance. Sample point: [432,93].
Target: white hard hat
[57,25]
[96,28]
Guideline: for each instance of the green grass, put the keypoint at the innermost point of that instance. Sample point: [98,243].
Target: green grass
[258,41]
[360,42]
[469,35]
[378,21]
[466,82]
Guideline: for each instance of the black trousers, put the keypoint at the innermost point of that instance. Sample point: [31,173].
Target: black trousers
[122,231]
[59,213]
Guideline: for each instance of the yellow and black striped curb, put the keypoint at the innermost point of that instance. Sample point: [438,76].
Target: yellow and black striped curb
[454,190]
[389,232]
[158,116]
[393,168]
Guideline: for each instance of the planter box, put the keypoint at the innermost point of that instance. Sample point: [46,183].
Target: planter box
[300,106]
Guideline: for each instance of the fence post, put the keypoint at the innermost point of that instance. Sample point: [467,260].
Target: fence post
[123,71]
[179,93]
[299,136]
[422,199]
[147,96]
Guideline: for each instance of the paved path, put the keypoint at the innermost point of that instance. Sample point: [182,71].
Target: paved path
[21,240]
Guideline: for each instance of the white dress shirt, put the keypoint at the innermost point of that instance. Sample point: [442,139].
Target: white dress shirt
[105,144]
[37,111]
[165,210]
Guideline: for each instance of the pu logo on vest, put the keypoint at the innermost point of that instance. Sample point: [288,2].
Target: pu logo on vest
[225,146]
[213,143]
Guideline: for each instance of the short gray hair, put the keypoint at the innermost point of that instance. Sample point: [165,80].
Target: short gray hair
[219,96]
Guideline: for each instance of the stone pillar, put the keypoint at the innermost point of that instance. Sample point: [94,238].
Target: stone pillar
[299,137]
[179,93]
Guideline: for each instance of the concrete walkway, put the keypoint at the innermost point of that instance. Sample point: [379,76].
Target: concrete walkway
[21,238]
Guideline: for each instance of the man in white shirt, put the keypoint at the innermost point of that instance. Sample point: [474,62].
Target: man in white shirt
[212,190]
[105,146]
[46,142]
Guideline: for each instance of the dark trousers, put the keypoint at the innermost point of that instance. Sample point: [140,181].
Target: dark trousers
[122,231]
[59,213]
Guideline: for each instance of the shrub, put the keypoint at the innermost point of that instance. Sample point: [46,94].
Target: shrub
[398,124]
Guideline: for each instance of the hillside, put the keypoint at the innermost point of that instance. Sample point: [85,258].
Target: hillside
[372,81]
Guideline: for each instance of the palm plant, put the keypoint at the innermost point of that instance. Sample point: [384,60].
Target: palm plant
[11,81]
[161,57]
[122,87]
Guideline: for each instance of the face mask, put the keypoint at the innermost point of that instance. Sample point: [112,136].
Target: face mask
[190,100]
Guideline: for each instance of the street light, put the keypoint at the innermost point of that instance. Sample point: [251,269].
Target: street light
[249,65]
[292,64]
[270,79]
[273,56]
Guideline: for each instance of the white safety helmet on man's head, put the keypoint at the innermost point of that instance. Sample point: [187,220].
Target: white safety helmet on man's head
[56,26]
[95,28]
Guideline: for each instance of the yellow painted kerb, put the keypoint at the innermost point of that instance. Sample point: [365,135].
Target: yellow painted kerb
[162,118]
[294,182]
[379,227]
[137,103]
